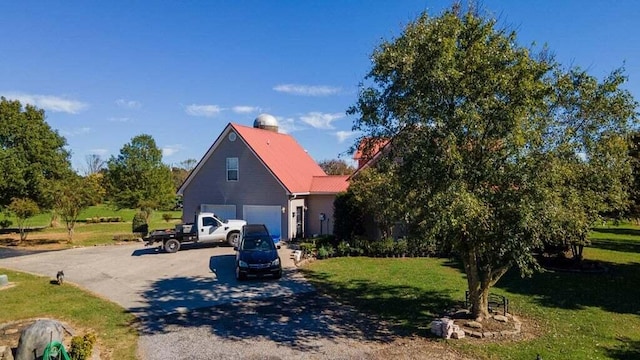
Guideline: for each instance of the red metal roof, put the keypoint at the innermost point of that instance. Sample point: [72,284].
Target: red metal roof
[286,159]
[368,149]
[329,184]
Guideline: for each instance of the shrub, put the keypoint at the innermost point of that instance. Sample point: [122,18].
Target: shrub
[167,217]
[5,223]
[325,251]
[308,248]
[82,346]
[139,223]
[400,248]
[344,249]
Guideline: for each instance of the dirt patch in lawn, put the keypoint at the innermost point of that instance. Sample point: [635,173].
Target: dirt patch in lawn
[38,241]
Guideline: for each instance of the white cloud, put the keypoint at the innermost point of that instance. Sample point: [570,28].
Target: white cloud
[128,104]
[169,150]
[203,110]
[307,90]
[76,132]
[243,109]
[49,102]
[320,120]
[101,152]
[287,125]
[344,135]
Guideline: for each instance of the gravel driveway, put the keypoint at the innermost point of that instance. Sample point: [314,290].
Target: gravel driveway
[191,306]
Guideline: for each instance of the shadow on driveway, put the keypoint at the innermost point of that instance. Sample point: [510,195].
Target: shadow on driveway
[287,311]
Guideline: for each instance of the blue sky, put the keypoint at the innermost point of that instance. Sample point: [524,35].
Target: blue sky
[106,71]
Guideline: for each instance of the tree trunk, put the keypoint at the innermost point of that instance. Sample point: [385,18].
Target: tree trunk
[478,289]
[70,233]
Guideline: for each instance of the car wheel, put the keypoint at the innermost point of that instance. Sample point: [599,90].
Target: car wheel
[171,246]
[239,275]
[232,238]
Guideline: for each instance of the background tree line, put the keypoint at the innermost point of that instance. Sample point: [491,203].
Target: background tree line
[38,176]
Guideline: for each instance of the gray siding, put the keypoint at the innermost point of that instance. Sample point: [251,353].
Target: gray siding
[320,204]
[256,185]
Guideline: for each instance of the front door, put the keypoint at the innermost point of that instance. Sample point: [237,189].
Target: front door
[299,222]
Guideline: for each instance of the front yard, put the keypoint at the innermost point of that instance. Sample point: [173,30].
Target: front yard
[566,315]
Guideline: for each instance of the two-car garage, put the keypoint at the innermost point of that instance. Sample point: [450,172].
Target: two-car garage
[270,215]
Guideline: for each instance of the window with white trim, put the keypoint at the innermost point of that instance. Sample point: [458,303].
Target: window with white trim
[232,169]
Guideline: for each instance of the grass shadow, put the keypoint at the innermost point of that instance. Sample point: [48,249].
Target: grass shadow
[628,350]
[618,231]
[407,310]
[615,290]
[616,245]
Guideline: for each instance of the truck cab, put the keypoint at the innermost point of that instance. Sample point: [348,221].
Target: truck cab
[210,228]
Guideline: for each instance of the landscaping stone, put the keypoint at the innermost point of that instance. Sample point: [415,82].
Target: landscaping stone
[5,353]
[34,339]
[458,334]
[475,334]
[436,328]
[500,318]
[473,324]
[4,280]
[447,328]
[11,331]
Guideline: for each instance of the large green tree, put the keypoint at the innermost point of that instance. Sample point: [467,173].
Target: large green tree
[137,176]
[32,155]
[498,150]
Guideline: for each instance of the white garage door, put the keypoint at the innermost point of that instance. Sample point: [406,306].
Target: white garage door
[262,214]
[222,211]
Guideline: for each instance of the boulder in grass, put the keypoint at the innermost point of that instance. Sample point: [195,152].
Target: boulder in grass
[35,338]
[436,328]
[447,328]
[5,353]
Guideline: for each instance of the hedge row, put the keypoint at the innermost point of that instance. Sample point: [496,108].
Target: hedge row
[97,219]
[325,247]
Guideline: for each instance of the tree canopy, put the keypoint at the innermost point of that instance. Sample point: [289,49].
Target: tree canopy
[336,167]
[32,155]
[497,149]
[137,176]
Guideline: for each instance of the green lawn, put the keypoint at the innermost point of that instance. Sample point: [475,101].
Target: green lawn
[34,297]
[88,234]
[575,316]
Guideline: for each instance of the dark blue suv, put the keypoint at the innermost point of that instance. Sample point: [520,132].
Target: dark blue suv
[257,255]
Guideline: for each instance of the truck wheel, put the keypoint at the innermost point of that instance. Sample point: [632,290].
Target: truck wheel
[171,246]
[239,275]
[232,238]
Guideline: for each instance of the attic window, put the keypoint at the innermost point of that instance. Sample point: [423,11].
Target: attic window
[232,169]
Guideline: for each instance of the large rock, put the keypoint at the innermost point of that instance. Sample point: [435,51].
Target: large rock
[447,328]
[35,338]
[4,280]
[436,328]
[5,353]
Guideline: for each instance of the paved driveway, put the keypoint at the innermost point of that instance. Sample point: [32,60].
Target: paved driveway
[191,306]
[149,282]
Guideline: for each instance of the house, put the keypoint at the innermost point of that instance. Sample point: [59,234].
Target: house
[263,176]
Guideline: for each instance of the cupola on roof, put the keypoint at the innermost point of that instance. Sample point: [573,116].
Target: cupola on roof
[266,122]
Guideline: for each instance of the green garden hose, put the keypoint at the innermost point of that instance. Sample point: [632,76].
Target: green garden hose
[55,351]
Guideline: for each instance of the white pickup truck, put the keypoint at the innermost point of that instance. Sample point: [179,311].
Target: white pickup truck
[207,227]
